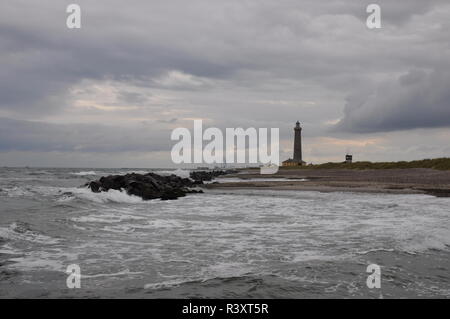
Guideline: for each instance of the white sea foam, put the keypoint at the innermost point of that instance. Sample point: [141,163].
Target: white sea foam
[119,229]
[17,191]
[106,218]
[7,249]
[66,194]
[226,270]
[373,250]
[438,239]
[222,233]
[166,284]
[125,272]
[36,261]
[84,173]
[19,232]
[54,259]
[214,271]
[112,195]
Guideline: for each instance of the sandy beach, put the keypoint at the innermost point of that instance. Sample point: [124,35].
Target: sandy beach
[393,181]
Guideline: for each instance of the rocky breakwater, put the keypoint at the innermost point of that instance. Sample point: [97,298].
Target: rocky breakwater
[205,176]
[147,186]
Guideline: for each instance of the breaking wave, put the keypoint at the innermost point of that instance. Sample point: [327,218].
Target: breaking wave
[111,196]
[16,191]
[87,173]
[437,239]
[20,231]
[122,241]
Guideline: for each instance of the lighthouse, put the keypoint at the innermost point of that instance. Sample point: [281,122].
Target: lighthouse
[298,143]
[297,160]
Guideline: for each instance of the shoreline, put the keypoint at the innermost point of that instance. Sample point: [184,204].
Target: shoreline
[389,181]
[315,188]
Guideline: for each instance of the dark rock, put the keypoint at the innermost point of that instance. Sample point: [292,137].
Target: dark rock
[437,192]
[173,194]
[95,186]
[201,176]
[147,186]
[196,191]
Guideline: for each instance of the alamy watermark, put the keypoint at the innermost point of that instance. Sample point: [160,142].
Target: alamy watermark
[228,148]
[73,20]
[374,279]
[74,276]
[374,19]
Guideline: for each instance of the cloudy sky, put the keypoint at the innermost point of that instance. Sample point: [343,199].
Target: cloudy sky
[109,94]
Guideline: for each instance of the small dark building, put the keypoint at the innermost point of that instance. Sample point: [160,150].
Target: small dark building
[348,158]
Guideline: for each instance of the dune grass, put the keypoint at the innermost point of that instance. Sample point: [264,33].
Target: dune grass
[437,163]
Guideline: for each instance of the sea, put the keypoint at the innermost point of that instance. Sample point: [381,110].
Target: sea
[231,243]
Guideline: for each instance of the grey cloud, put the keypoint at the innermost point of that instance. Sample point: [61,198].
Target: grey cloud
[169,121]
[19,135]
[138,41]
[133,98]
[393,12]
[415,100]
[230,54]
